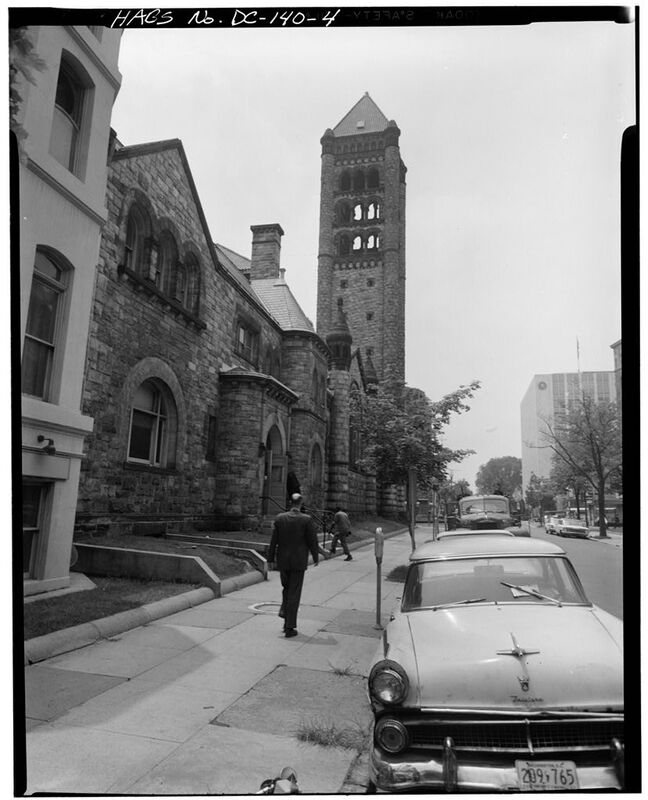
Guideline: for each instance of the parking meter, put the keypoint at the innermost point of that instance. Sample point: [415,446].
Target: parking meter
[379,545]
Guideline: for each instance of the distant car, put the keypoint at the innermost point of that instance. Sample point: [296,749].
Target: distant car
[551,524]
[571,527]
[497,674]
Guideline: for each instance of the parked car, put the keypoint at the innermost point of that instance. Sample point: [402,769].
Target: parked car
[571,527]
[468,532]
[497,674]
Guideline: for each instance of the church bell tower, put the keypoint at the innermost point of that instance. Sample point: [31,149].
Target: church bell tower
[361,260]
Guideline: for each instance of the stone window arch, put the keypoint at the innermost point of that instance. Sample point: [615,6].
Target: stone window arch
[358,180]
[357,212]
[153,425]
[373,210]
[345,181]
[357,242]
[373,178]
[343,213]
[344,245]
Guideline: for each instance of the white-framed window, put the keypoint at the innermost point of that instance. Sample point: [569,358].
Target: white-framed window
[68,123]
[44,326]
[148,434]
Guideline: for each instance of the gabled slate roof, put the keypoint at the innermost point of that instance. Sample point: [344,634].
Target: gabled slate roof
[273,293]
[364,117]
[276,296]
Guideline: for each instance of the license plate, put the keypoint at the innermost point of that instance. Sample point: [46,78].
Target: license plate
[546,776]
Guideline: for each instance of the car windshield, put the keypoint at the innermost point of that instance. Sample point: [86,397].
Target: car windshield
[496,579]
[480,505]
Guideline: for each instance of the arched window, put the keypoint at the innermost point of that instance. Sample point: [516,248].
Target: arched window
[315,388]
[358,180]
[357,211]
[137,230]
[344,245]
[345,180]
[373,179]
[343,215]
[355,426]
[371,241]
[67,123]
[357,242]
[276,367]
[191,294]
[315,467]
[373,210]
[149,433]
[45,325]
[165,272]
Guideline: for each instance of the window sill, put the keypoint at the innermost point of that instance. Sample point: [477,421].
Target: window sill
[167,301]
[133,465]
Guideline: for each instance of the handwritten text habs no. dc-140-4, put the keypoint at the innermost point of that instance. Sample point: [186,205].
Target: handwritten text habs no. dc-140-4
[158,17]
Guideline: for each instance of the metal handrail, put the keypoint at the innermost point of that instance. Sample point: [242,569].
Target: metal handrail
[322,516]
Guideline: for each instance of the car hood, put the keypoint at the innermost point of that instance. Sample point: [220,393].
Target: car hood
[567,657]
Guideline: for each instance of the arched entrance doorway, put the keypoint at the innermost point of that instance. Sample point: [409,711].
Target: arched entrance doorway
[274,494]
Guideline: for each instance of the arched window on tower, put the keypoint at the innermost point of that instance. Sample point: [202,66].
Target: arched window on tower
[357,211]
[373,210]
[373,179]
[343,213]
[358,180]
[344,245]
[371,241]
[345,180]
[357,242]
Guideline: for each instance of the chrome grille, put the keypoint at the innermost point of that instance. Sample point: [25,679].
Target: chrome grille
[519,736]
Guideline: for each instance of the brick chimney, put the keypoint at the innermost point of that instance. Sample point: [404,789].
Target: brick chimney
[266,251]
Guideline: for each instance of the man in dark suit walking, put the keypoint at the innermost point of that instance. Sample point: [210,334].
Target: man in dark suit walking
[294,535]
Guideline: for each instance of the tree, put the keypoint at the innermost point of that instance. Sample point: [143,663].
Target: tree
[587,438]
[539,495]
[22,62]
[563,478]
[500,476]
[402,428]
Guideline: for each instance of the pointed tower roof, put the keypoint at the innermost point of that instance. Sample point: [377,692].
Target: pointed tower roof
[364,117]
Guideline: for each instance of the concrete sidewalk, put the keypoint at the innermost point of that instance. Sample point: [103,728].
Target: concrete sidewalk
[209,699]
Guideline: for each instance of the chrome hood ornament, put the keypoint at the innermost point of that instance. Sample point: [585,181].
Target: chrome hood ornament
[517,651]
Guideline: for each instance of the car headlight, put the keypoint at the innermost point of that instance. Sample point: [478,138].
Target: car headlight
[388,683]
[391,735]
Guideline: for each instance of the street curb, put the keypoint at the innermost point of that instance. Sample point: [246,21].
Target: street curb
[57,643]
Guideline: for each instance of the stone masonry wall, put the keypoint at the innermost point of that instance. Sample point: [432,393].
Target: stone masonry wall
[135,335]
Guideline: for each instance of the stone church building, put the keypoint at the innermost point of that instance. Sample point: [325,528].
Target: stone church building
[210,389]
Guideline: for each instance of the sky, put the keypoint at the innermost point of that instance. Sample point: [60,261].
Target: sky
[511,136]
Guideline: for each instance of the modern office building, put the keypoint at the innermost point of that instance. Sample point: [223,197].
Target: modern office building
[547,396]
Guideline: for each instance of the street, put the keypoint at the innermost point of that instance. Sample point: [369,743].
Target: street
[599,565]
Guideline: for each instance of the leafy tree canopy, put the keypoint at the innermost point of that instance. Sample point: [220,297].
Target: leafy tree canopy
[500,476]
[401,429]
[539,494]
[586,437]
